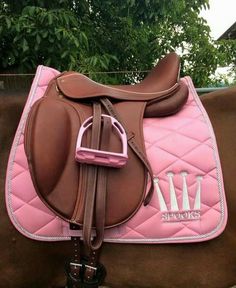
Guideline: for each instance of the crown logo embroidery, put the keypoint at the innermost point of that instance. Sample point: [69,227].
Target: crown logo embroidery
[179,211]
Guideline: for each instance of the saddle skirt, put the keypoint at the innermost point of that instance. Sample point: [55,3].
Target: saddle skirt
[189,201]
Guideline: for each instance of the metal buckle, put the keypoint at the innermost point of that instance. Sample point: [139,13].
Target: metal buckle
[76,264]
[91,267]
[99,157]
[99,275]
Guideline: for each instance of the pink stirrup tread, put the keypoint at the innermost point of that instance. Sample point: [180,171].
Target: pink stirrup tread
[98,157]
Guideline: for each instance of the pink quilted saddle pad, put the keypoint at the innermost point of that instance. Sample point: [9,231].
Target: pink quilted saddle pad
[189,201]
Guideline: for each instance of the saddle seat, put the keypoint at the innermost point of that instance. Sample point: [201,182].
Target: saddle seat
[162,90]
[52,130]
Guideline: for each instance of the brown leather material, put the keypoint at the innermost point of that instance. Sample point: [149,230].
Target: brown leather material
[74,265]
[90,269]
[169,105]
[50,148]
[132,144]
[161,89]
[171,99]
[78,86]
[92,178]
[163,76]
[102,188]
[51,134]
[161,81]
[61,191]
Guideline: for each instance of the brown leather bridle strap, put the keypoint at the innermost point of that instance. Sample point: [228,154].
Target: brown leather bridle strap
[133,145]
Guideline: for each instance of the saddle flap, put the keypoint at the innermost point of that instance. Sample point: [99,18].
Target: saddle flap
[51,134]
[48,145]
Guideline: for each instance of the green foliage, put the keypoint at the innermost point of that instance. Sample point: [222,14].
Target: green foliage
[41,36]
[109,35]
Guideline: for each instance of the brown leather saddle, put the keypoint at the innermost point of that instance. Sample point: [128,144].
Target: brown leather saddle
[85,148]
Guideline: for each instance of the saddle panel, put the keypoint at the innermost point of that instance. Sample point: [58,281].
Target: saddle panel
[50,143]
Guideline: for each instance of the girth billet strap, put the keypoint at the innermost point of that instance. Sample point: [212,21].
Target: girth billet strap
[75,269]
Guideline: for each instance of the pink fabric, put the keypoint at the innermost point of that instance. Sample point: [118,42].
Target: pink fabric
[181,143]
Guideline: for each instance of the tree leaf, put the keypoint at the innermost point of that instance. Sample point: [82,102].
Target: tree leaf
[8,22]
[112,36]
[38,39]
[64,54]
[45,34]
[25,46]
[50,19]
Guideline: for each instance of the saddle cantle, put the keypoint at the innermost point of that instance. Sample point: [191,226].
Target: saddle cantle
[90,194]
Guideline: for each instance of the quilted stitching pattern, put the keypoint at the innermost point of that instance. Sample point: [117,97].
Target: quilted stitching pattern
[183,142]
[27,212]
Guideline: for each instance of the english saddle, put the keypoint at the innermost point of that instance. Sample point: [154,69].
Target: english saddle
[85,149]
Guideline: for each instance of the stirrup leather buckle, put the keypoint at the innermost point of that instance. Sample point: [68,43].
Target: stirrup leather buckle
[79,281]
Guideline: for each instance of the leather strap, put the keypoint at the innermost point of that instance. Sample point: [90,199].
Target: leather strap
[92,178]
[98,193]
[99,183]
[90,268]
[102,186]
[75,263]
[133,145]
